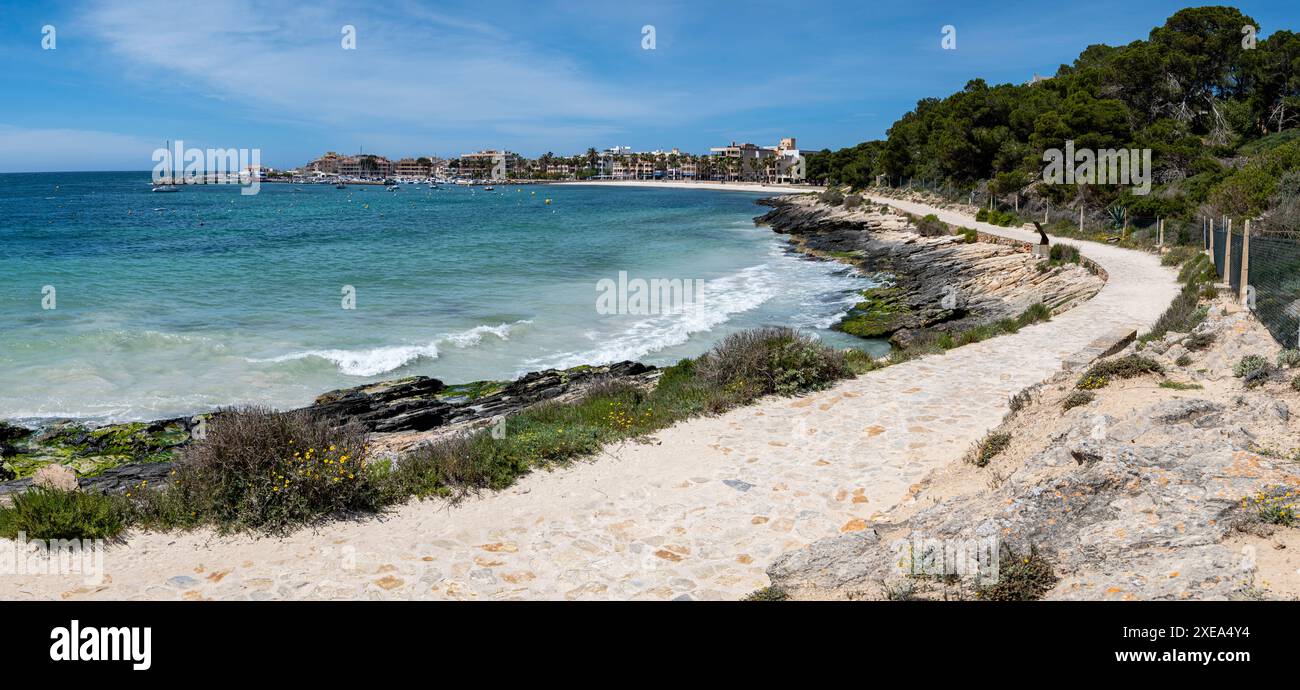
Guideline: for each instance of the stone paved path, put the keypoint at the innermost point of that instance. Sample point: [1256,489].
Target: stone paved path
[698,515]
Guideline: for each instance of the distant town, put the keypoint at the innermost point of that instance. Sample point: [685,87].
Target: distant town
[781,163]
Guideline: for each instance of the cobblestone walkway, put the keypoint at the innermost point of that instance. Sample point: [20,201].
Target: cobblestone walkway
[699,514]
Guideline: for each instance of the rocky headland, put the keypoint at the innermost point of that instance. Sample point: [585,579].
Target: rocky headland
[935,279]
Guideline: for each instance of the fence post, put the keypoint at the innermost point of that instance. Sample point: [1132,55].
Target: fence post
[1245,261]
[1160,232]
[1081,218]
[1212,239]
[1227,253]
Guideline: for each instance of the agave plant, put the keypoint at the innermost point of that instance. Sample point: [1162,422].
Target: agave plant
[1116,216]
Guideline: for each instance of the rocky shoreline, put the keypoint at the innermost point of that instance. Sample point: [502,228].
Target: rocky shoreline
[399,414]
[937,284]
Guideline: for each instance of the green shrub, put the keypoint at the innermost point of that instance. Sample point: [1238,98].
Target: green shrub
[1183,315]
[50,514]
[1201,340]
[852,201]
[772,593]
[771,360]
[1077,398]
[1295,383]
[832,196]
[1249,365]
[1127,367]
[1288,358]
[1198,269]
[970,235]
[990,447]
[1275,506]
[266,471]
[982,215]
[1020,577]
[1177,386]
[931,226]
[1178,256]
[1183,360]
[1065,253]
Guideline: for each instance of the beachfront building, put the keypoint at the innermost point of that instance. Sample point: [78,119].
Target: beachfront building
[359,166]
[751,163]
[413,167]
[491,165]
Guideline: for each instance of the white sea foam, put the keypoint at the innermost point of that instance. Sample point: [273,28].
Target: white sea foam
[818,292]
[379,360]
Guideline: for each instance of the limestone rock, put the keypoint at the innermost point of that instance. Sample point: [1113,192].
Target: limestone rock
[56,477]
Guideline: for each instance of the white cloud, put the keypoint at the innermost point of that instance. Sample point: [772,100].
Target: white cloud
[413,69]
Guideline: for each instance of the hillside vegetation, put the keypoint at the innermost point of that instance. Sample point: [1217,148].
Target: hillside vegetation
[1220,118]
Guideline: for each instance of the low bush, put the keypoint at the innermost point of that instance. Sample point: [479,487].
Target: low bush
[1177,386]
[1248,365]
[265,471]
[1077,398]
[771,360]
[1275,506]
[1065,254]
[1201,340]
[1127,367]
[1178,256]
[931,226]
[1295,383]
[49,514]
[1288,358]
[1024,577]
[772,593]
[990,447]
[1183,360]
[832,196]
[1183,315]
[852,201]
[970,235]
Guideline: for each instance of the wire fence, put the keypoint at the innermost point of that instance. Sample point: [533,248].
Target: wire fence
[1264,271]
[1262,268]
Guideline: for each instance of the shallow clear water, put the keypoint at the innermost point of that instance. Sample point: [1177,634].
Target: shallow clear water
[170,304]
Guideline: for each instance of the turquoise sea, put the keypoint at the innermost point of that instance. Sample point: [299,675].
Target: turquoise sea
[171,304]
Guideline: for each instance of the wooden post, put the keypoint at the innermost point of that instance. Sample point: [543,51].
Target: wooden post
[1080,218]
[1211,238]
[1245,261]
[1160,232]
[1047,211]
[1227,253]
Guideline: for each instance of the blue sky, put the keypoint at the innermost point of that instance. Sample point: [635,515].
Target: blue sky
[443,78]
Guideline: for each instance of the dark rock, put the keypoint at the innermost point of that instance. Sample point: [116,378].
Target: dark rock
[113,480]
[10,432]
[738,485]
